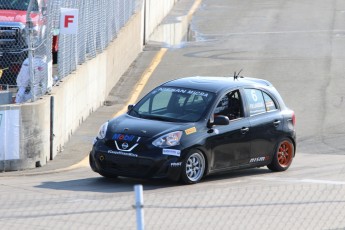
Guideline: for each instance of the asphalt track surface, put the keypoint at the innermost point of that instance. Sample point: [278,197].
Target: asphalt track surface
[298,46]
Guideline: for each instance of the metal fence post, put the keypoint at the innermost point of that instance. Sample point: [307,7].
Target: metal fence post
[139,204]
[4,156]
[29,25]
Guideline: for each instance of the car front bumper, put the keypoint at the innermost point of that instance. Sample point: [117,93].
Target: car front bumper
[152,164]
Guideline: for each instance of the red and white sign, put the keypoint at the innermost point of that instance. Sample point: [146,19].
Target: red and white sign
[69,21]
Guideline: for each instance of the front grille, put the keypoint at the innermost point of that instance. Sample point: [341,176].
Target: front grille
[140,148]
[127,165]
[11,38]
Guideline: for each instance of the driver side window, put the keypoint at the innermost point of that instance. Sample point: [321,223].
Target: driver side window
[230,105]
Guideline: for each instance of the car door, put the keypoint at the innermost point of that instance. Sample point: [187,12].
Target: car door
[266,123]
[230,144]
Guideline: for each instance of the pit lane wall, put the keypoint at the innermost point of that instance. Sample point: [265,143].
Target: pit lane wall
[25,129]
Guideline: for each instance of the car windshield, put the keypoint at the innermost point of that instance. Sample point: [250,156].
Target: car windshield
[17,5]
[173,104]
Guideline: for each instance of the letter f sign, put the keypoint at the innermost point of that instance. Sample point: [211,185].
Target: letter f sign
[68,19]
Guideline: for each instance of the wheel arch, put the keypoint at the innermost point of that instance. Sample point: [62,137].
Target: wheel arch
[204,152]
[294,144]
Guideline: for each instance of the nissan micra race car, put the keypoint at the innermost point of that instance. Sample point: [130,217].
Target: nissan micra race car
[191,127]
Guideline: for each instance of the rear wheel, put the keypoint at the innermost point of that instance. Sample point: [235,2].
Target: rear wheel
[283,156]
[193,167]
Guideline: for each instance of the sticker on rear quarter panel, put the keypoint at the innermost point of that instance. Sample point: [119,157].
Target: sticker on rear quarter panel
[172,152]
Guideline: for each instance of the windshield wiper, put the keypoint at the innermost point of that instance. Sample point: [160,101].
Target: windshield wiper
[158,118]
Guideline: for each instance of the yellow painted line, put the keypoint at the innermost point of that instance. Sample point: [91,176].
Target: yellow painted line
[143,80]
[194,8]
[83,163]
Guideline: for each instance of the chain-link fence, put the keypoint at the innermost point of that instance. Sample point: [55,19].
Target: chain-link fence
[109,205]
[99,23]
[30,41]
[24,48]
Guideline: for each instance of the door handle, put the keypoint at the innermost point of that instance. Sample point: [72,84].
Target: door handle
[244,130]
[276,123]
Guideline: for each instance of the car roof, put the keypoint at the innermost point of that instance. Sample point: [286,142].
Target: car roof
[216,84]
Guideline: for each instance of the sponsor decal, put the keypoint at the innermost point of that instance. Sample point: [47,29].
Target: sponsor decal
[269,104]
[258,105]
[190,130]
[187,91]
[122,153]
[259,159]
[123,137]
[177,164]
[124,145]
[172,152]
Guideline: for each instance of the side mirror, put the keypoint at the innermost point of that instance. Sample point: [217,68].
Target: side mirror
[218,120]
[130,107]
[221,120]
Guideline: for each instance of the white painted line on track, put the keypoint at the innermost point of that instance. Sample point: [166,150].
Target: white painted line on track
[305,180]
[278,32]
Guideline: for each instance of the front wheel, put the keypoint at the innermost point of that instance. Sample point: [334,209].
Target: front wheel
[283,156]
[193,167]
[107,175]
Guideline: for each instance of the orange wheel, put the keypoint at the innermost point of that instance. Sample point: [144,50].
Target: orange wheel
[283,156]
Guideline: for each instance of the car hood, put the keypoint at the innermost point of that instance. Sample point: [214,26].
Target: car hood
[126,124]
[16,16]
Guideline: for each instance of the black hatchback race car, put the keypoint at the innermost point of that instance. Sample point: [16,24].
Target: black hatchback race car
[192,127]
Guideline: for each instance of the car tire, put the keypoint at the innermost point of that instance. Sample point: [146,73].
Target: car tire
[193,167]
[92,163]
[107,175]
[283,156]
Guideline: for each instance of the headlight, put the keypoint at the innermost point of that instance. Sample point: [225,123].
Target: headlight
[102,131]
[168,140]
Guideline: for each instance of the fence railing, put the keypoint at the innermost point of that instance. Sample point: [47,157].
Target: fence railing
[30,42]
[99,24]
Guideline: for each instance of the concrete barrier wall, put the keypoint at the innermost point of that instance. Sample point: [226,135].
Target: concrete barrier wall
[79,94]
[27,135]
[156,10]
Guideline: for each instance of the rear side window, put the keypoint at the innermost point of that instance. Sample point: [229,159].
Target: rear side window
[259,101]
[269,102]
[255,100]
